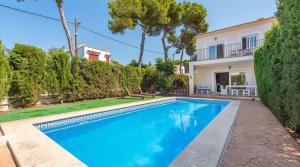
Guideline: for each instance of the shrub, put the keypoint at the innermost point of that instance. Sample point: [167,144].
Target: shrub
[5,73]
[164,82]
[149,79]
[268,70]
[277,66]
[130,77]
[28,63]
[59,76]
[180,81]
[77,84]
[168,66]
[165,70]
[99,79]
[289,18]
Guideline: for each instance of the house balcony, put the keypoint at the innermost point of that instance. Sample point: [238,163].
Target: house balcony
[222,51]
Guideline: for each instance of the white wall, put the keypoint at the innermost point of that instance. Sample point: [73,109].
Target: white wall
[205,70]
[83,52]
[205,75]
[232,36]
[177,69]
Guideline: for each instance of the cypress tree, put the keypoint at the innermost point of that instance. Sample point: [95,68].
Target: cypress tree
[4,73]
[289,18]
[27,85]
[59,76]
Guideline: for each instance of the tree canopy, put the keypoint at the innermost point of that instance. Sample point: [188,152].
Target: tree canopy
[147,14]
[65,25]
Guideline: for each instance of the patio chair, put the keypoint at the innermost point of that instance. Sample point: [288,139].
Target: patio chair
[234,53]
[206,89]
[234,92]
[224,90]
[199,90]
[246,92]
[133,95]
[146,94]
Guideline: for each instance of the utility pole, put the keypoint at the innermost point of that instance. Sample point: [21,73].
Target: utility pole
[76,25]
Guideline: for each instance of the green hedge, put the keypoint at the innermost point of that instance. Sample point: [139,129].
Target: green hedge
[28,63]
[98,79]
[58,74]
[35,73]
[180,81]
[149,79]
[55,73]
[130,77]
[5,73]
[277,66]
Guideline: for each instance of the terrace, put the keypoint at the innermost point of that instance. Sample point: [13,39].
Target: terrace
[221,51]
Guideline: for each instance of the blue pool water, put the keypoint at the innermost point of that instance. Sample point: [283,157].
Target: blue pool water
[154,136]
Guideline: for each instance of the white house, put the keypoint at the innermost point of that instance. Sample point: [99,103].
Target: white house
[224,61]
[177,69]
[93,54]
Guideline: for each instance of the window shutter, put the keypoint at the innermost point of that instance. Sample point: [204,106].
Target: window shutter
[244,43]
[220,51]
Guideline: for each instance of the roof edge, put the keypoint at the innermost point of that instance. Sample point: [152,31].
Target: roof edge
[259,20]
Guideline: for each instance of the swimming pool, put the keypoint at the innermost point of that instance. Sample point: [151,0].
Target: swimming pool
[146,135]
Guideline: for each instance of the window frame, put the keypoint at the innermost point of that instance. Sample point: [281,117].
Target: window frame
[250,44]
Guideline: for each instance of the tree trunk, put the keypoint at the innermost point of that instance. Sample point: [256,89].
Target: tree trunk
[163,40]
[65,25]
[181,58]
[76,37]
[142,48]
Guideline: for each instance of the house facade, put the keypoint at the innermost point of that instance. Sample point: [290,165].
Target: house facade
[93,54]
[224,60]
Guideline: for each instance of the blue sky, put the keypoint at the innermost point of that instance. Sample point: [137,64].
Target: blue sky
[21,28]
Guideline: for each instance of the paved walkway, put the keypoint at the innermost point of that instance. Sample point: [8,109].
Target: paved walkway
[6,159]
[259,140]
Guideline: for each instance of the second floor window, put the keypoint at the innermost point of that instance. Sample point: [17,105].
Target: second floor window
[212,52]
[216,51]
[249,42]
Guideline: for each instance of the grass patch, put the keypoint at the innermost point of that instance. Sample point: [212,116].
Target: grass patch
[63,108]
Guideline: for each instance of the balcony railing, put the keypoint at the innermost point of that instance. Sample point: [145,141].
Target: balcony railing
[227,51]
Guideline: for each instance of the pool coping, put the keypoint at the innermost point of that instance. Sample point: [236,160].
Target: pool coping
[208,147]
[31,147]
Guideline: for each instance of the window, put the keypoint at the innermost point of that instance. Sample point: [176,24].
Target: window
[238,78]
[216,51]
[249,42]
[93,57]
[212,52]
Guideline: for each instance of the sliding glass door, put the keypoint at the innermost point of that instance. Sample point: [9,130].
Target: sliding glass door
[216,51]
